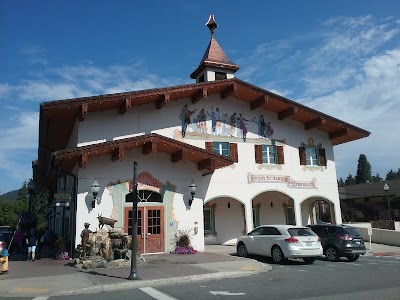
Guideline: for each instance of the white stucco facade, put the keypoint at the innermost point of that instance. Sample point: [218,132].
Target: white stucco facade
[233,191]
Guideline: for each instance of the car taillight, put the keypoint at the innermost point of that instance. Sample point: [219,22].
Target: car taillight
[345,237]
[292,239]
[319,239]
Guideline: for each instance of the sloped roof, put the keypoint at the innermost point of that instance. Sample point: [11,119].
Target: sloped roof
[150,144]
[369,190]
[214,56]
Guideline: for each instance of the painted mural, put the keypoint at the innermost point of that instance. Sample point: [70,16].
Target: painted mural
[206,123]
[145,182]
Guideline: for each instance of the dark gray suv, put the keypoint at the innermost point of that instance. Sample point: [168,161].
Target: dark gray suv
[340,241]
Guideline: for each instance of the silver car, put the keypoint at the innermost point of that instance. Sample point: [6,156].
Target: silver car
[281,242]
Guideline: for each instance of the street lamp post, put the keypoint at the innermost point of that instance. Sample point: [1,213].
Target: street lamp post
[132,196]
[95,188]
[31,190]
[386,188]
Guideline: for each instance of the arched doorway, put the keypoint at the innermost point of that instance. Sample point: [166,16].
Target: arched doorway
[317,210]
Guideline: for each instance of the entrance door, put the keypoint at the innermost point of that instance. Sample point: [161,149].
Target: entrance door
[150,228]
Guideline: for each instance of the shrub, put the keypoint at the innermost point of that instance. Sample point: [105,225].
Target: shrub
[183,243]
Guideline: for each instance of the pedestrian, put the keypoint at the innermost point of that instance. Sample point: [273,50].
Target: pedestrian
[31,242]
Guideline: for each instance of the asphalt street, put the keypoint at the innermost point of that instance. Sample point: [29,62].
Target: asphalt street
[368,278]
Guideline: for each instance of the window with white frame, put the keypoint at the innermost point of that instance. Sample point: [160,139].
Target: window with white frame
[312,156]
[221,148]
[209,220]
[268,154]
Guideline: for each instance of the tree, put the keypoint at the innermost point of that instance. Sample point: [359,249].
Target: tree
[392,175]
[377,178]
[363,170]
[350,180]
[341,182]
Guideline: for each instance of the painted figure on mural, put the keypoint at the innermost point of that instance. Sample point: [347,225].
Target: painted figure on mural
[269,131]
[233,123]
[243,127]
[203,121]
[225,131]
[185,115]
[260,121]
[213,117]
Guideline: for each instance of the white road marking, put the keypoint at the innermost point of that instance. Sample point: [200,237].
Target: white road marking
[156,294]
[40,298]
[225,293]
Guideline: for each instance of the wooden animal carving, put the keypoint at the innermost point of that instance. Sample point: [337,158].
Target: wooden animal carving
[106,221]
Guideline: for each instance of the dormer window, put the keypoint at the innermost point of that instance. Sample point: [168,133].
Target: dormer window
[201,78]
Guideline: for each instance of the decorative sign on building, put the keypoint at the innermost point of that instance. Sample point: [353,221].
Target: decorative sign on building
[282,178]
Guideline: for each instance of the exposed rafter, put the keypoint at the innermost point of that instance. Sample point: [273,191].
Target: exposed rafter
[164,99]
[229,91]
[287,113]
[207,163]
[338,133]
[177,156]
[84,110]
[316,123]
[203,93]
[125,106]
[263,100]
[83,160]
[149,147]
[118,153]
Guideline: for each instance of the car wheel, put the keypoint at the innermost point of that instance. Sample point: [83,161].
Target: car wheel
[331,254]
[353,257]
[277,255]
[242,250]
[309,260]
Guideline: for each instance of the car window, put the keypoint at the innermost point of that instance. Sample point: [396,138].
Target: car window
[351,231]
[332,230]
[257,231]
[271,231]
[319,230]
[301,232]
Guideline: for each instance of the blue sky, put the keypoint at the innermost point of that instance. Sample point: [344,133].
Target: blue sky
[339,57]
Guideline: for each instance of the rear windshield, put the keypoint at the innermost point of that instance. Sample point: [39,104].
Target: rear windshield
[300,231]
[351,231]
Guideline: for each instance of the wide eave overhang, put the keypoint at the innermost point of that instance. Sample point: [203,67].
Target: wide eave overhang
[150,144]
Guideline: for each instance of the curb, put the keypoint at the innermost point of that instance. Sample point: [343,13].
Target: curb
[385,253]
[156,282]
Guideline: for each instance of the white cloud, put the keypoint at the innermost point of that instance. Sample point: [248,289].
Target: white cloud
[22,133]
[5,90]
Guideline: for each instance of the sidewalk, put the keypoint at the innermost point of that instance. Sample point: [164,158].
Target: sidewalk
[46,277]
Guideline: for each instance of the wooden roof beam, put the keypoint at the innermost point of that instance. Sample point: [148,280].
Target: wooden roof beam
[316,123]
[149,147]
[263,100]
[200,95]
[177,156]
[83,160]
[229,91]
[118,153]
[164,99]
[207,163]
[126,105]
[83,113]
[338,133]
[287,113]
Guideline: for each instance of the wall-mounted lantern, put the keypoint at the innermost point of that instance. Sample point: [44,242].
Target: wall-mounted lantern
[192,189]
[94,188]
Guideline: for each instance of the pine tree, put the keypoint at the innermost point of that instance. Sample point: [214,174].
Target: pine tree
[377,178]
[363,170]
[350,180]
[341,182]
[392,175]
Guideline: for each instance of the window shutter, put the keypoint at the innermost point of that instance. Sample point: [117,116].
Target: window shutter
[280,154]
[258,154]
[322,157]
[233,151]
[302,154]
[210,146]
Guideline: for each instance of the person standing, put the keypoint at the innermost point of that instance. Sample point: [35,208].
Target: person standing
[31,241]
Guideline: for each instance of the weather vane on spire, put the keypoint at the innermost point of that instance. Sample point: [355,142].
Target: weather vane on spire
[211,24]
